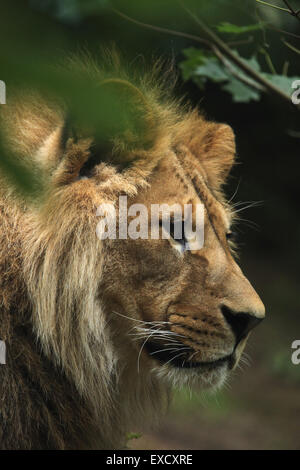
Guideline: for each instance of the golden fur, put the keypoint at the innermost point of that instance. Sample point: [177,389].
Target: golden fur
[71,306]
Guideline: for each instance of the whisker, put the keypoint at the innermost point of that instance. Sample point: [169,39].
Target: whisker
[250,223]
[140,321]
[235,192]
[241,203]
[140,352]
[169,349]
[167,333]
[159,332]
[191,357]
[172,358]
[252,204]
[163,350]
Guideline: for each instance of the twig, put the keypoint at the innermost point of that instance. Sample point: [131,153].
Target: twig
[268,60]
[273,6]
[291,10]
[283,31]
[285,68]
[263,24]
[220,49]
[162,30]
[290,46]
[239,43]
[235,59]
[207,43]
[234,72]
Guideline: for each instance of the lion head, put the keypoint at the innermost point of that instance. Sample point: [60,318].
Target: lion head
[125,318]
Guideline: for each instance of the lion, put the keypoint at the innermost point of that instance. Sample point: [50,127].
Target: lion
[98,331]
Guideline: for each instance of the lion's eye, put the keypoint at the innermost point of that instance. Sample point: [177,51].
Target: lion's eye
[176,231]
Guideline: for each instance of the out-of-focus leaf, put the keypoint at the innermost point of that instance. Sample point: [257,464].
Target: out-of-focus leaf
[193,59]
[252,62]
[107,113]
[225,27]
[212,69]
[201,66]
[28,181]
[282,82]
[240,92]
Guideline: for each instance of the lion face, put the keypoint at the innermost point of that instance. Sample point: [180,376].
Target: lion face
[188,312]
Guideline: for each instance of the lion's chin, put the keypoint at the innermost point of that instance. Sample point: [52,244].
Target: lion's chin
[203,376]
[199,376]
[178,370]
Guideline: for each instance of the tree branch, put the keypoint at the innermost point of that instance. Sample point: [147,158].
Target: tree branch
[283,31]
[273,6]
[234,72]
[221,50]
[290,46]
[291,10]
[160,29]
[236,60]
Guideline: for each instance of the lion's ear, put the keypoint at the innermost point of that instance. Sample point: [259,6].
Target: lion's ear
[216,152]
[54,145]
[56,134]
[214,146]
[32,128]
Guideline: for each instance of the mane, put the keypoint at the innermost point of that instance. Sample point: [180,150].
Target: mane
[60,262]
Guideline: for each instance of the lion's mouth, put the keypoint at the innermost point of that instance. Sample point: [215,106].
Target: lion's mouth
[180,357]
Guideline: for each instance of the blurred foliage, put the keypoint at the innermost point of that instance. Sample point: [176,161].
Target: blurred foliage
[201,66]
[30,44]
[27,180]
[229,28]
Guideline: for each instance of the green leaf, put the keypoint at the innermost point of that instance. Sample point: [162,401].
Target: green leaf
[212,69]
[194,58]
[241,93]
[201,66]
[252,62]
[234,29]
[282,82]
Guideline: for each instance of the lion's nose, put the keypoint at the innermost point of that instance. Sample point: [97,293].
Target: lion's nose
[241,323]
